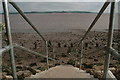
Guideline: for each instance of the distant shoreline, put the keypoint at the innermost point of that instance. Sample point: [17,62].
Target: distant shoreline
[59,31]
[53,12]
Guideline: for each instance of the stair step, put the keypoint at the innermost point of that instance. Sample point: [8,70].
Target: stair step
[63,71]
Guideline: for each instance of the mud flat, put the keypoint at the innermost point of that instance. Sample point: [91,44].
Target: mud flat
[66,51]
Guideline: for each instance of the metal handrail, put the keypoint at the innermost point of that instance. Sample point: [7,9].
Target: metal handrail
[32,25]
[108,48]
[9,37]
[110,37]
[95,20]
[31,51]
[26,18]
[7,48]
[113,52]
[89,29]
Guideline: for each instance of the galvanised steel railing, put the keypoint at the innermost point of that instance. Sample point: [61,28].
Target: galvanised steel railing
[7,48]
[109,50]
[9,36]
[32,25]
[10,46]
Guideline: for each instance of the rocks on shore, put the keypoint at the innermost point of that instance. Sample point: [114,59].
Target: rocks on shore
[22,72]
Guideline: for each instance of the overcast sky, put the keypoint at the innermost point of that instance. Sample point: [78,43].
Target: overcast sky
[60,6]
[57,5]
[63,0]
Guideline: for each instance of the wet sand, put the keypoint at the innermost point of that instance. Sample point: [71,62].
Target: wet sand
[94,41]
[64,44]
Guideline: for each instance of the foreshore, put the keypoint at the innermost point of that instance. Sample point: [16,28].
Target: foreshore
[66,50]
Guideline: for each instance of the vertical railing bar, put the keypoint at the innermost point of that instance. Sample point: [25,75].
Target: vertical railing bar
[47,54]
[9,36]
[26,18]
[81,54]
[110,38]
[75,58]
[54,55]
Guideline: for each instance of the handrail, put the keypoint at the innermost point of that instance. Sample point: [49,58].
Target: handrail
[36,53]
[95,20]
[4,49]
[26,18]
[110,39]
[32,25]
[9,37]
[23,48]
[89,29]
[113,52]
[108,48]
[110,36]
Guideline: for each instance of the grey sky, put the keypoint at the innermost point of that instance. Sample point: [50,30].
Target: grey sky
[59,6]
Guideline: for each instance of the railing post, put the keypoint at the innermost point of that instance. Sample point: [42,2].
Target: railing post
[81,54]
[54,55]
[76,58]
[9,36]
[110,38]
[47,54]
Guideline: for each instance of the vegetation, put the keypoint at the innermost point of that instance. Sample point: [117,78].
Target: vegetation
[2,26]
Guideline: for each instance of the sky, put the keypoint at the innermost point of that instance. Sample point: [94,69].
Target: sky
[57,5]
[63,0]
[60,6]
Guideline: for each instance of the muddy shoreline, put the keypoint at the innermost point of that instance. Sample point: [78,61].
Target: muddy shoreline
[66,51]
